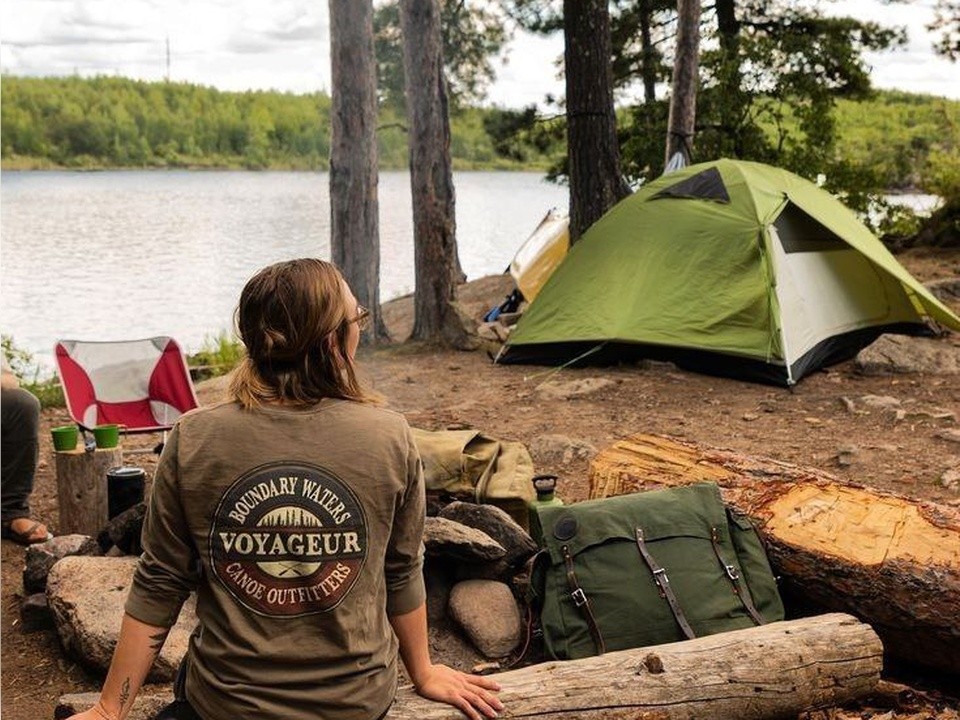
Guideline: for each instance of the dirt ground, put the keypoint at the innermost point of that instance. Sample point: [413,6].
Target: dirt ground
[436,389]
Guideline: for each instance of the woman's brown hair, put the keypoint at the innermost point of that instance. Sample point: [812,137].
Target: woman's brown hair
[293,320]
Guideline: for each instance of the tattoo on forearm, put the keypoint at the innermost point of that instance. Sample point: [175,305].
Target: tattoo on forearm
[124,693]
[156,641]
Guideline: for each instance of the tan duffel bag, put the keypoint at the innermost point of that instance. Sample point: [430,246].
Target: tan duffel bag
[469,465]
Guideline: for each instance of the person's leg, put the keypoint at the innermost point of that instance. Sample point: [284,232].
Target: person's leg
[19,428]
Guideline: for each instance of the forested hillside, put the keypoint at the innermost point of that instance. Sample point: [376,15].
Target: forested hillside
[115,122]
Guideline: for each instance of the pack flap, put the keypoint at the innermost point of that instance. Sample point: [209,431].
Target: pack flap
[690,511]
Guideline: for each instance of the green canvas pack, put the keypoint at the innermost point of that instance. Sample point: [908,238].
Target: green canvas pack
[646,569]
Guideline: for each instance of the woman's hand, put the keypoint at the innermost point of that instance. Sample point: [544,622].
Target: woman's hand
[97,712]
[469,693]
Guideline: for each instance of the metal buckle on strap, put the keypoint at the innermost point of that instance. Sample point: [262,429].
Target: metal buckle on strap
[732,572]
[579,597]
[661,576]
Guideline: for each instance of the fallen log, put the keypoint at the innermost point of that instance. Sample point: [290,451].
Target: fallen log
[891,561]
[772,671]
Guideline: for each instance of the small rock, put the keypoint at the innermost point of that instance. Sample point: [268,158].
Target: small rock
[813,421]
[946,290]
[951,480]
[845,455]
[883,402]
[749,417]
[574,388]
[949,435]
[560,449]
[35,614]
[488,614]
[848,404]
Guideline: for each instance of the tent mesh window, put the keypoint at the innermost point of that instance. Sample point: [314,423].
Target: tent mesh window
[801,233]
[706,185]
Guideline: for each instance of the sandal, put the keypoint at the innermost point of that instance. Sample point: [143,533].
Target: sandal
[25,537]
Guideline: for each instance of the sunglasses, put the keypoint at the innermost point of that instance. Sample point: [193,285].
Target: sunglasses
[362,319]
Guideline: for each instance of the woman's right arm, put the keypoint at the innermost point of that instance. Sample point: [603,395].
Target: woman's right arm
[165,575]
[136,650]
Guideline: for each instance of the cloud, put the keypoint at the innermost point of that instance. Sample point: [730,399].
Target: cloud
[284,44]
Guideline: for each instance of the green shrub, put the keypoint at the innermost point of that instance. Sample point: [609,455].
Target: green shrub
[47,389]
[218,356]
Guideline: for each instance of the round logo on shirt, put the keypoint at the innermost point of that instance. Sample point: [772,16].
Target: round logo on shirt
[288,539]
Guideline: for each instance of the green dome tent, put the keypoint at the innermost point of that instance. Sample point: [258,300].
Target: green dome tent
[729,267]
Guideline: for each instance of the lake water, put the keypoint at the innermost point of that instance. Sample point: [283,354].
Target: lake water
[130,254]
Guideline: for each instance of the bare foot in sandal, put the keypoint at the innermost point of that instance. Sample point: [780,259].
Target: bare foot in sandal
[26,531]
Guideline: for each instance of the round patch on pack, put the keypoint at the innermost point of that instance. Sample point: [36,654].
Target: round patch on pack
[565,528]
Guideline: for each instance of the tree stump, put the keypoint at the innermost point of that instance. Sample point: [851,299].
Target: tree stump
[772,671]
[892,561]
[82,489]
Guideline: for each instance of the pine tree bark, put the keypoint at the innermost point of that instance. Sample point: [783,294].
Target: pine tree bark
[891,561]
[683,98]
[354,203]
[593,154]
[437,268]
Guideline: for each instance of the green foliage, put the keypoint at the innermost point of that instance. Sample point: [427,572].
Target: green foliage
[46,389]
[219,355]
[472,33]
[942,173]
[116,122]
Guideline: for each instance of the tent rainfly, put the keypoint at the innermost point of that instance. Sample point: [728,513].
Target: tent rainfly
[731,268]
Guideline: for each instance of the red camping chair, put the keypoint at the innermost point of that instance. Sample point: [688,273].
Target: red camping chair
[142,385]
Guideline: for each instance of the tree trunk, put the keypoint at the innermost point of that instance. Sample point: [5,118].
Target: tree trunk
[431,178]
[593,154]
[891,561]
[734,101]
[648,66]
[772,671]
[354,206]
[683,98]
[82,489]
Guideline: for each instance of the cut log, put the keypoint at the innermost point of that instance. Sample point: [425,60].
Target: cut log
[891,561]
[772,671]
[82,489]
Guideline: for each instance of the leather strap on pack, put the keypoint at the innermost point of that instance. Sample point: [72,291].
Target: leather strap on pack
[582,602]
[733,575]
[663,582]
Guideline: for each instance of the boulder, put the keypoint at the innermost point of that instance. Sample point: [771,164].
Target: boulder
[43,556]
[488,614]
[123,531]
[946,290]
[87,595]
[895,354]
[455,541]
[498,525]
[35,614]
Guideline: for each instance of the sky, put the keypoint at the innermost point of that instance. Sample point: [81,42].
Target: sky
[284,45]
